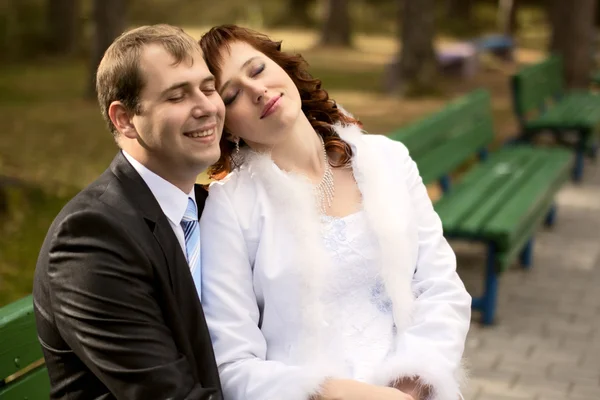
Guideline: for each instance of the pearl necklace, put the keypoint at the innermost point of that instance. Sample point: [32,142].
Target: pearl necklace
[325,190]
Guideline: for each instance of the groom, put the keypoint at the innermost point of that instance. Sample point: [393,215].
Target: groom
[116,285]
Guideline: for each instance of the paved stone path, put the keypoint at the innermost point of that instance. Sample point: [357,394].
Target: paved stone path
[546,343]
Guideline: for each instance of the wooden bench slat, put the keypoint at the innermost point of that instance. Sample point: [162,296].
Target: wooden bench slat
[479,183]
[34,386]
[514,174]
[19,345]
[544,105]
[502,200]
[543,184]
[451,155]
[447,138]
[534,85]
[506,258]
[435,130]
[575,111]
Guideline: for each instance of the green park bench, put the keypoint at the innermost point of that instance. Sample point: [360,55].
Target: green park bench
[542,104]
[501,197]
[23,375]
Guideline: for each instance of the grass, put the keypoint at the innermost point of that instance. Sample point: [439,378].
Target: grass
[22,231]
[52,136]
[57,143]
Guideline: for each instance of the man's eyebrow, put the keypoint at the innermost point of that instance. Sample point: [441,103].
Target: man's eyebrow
[174,86]
[209,79]
[179,85]
[244,65]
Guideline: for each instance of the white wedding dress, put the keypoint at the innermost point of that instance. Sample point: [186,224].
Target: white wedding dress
[358,311]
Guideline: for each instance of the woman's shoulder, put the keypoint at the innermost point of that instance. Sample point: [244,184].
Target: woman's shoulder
[235,196]
[238,182]
[383,144]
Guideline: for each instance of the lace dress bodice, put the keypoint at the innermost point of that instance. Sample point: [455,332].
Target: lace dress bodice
[360,328]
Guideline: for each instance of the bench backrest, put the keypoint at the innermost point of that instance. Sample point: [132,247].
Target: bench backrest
[22,372]
[534,86]
[442,141]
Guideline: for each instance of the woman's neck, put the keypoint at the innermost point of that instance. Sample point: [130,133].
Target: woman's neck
[302,152]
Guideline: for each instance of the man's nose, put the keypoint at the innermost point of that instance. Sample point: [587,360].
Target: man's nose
[204,107]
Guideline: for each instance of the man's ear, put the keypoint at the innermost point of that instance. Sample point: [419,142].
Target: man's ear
[121,119]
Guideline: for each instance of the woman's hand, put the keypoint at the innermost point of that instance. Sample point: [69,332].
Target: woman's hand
[414,388]
[347,389]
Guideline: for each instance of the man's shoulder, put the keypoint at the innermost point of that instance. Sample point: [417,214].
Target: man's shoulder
[103,198]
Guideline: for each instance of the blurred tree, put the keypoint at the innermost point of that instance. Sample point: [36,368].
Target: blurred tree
[64,28]
[460,10]
[337,30]
[513,18]
[23,30]
[573,37]
[417,66]
[109,20]
[296,13]
[507,16]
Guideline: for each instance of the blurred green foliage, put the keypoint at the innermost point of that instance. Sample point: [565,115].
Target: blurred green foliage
[55,140]
[22,28]
[22,230]
[23,23]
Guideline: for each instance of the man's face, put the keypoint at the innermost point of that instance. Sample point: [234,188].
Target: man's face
[181,116]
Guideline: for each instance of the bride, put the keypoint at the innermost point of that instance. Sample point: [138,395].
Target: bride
[326,274]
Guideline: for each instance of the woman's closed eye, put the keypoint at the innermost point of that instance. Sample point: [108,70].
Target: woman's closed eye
[229,99]
[256,71]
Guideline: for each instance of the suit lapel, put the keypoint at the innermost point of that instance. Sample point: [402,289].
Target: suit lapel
[177,264]
[139,193]
[183,315]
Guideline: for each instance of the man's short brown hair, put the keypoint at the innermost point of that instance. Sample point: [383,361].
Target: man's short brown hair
[119,77]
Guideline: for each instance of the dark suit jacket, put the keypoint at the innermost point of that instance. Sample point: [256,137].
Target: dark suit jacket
[117,313]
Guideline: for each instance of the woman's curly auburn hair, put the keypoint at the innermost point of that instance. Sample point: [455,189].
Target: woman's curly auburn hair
[321,111]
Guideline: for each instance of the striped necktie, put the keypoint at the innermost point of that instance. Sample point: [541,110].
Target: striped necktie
[191,232]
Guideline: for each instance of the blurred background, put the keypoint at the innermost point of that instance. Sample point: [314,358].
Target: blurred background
[389,62]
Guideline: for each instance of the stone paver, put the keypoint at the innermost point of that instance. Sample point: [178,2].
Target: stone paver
[546,342]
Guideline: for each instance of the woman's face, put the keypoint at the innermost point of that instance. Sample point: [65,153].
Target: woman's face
[262,102]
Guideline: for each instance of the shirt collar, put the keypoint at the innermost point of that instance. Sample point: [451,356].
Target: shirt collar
[172,200]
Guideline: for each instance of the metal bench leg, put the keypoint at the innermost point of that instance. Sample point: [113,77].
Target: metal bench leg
[551,217]
[594,152]
[483,154]
[527,255]
[578,168]
[488,301]
[445,183]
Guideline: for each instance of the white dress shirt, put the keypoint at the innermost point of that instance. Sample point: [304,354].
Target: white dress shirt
[172,200]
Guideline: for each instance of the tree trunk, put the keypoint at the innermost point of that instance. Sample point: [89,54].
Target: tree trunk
[418,66]
[109,20]
[296,13]
[559,17]
[63,18]
[337,29]
[507,16]
[459,10]
[513,21]
[573,38]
